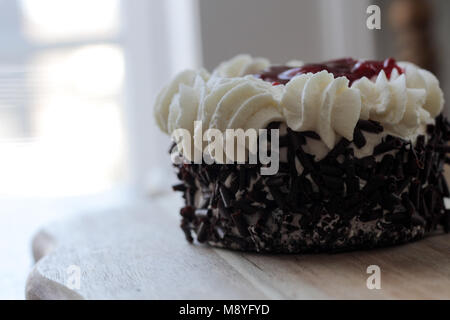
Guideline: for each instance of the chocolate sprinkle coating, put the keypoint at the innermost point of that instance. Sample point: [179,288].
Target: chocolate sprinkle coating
[358,138]
[338,203]
[369,126]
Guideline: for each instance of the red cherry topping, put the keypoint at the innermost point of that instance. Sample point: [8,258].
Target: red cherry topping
[350,68]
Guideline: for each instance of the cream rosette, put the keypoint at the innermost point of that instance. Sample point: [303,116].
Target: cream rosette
[323,104]
[232,98]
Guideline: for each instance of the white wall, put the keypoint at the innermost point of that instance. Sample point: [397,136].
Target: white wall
[285,29]
[161,38]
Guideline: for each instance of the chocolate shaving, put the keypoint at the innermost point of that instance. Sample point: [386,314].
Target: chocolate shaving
[190,195]
[443,148]
[403,185]
[296,139]
[333,183]
[358,138]
[311,134]
[277,196]
[389,201]
[224,212]
[275,181]
[388,144]
[338,149]
[226,196]
[386,165]
[179,187]
[418,220]
[172,147]
[446,221]
[443,186]
[240,223]
[203,231]
[399,171]
[245,207]
[187,230]
[369,126]
[203,213]
[374,183]
[428,163]
[243,181]
[305,160]
[283,141]
[188,212]
[331,170]
[352,184]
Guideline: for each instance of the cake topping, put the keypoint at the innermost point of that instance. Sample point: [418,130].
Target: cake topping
[347,67]
[328,99]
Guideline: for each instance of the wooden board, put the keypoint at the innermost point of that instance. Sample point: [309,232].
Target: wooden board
[139,253]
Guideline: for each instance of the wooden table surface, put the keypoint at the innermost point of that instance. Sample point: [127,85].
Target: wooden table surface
[139,252]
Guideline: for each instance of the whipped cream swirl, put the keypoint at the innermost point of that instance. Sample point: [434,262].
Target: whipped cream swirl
[231,97]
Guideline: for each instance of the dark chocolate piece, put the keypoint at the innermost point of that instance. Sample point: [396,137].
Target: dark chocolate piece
[224,212]
[311,134]
[203,231]
[188,213]
[240,223]
[275,181]
[227,198]
[243,181]
[337,150]
[296,139]
[203,213]
[179,187]
[187,230]
[358,138]
[388,144]
[369,126]
[305,160]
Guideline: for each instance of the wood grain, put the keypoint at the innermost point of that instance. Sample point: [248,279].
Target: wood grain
[139,253]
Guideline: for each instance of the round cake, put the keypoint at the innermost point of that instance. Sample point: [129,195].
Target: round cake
[356,147]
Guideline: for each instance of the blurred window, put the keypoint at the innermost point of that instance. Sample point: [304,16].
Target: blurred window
[61,97]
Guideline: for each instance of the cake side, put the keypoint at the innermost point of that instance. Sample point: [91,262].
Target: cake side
[337,203]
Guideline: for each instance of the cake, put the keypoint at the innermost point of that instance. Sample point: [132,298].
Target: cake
[361,147]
